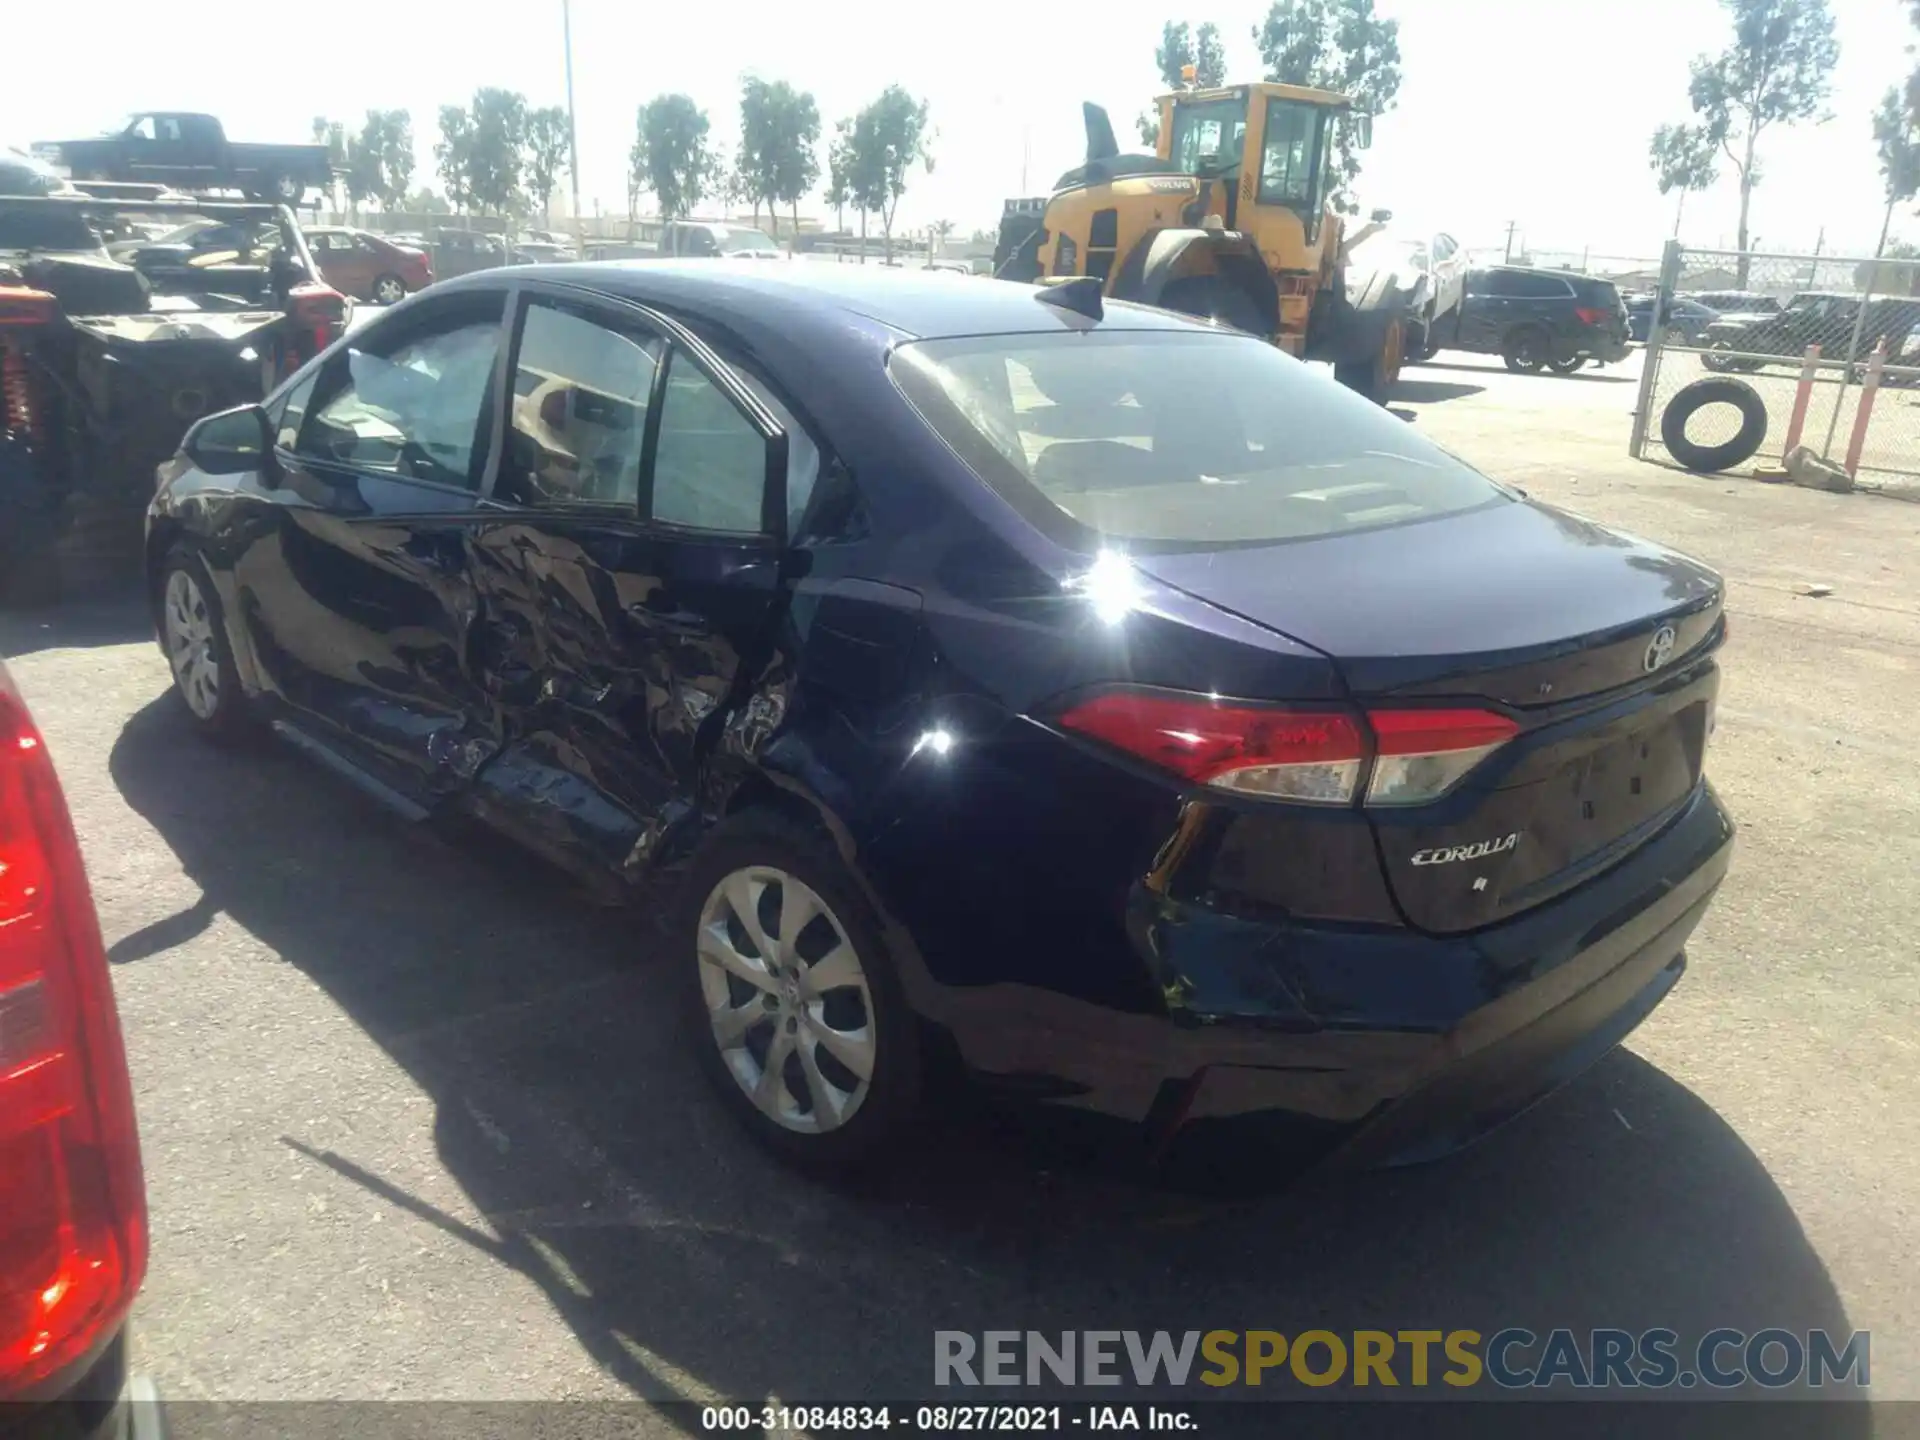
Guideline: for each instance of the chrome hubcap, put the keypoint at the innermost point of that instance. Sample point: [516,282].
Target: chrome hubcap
[387,292]
[189,630]
[787,999]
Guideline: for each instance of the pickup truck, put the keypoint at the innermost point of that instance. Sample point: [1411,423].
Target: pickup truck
[732,242]
[171,147]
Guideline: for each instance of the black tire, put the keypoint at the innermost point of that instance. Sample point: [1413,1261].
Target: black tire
[762,840]
[1566,364]
[1525,349]
[227,718]
[1374,376]
[1211,298]
[1710,459]
[388,290]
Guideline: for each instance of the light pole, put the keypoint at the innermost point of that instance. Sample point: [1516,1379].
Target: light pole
[573,134]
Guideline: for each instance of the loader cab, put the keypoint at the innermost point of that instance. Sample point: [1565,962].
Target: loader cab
[1272,147]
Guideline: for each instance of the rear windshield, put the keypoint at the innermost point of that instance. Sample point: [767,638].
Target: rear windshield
[48,229]
[1177,440]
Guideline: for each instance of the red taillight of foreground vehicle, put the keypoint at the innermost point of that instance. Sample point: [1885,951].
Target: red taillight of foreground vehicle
[1592,317]
[1312,756]
[73,1215]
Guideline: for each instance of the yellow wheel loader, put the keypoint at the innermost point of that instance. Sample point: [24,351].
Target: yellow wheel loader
[1229,220]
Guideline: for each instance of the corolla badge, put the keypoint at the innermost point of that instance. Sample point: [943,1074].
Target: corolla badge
[1479,850]
[1659,649]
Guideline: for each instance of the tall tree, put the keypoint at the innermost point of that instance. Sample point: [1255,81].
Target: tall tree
[753,164]
[451,153]
[1896,138]
[840,162]
[1339,45]
[890,139]
[1776,70]
[1209,57]
[333,135]
[679,162]
[494,154]
[547,138]
[1683,158]
[795,162]
[639,170]
[1174,53]
[383,157]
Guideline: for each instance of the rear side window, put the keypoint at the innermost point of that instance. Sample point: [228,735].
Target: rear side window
[1176,440]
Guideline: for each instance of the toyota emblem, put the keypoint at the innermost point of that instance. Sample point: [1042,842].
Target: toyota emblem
[1660,648]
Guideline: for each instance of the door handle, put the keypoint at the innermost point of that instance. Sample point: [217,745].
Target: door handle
[660,612]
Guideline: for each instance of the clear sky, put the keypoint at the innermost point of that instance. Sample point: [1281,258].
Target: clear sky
[1530,111]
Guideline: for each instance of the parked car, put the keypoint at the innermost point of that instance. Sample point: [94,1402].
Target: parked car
[699,239]
[555,238]
[1114,703]
[1823,318]
[461,252]
[73,1205]
[173,147]
[1687,320]
[368,266]
[1434,271]
[1534,319]
[535,252]
[1741,302]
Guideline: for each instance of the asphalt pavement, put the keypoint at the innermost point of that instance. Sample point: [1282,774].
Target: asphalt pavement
[418,1122]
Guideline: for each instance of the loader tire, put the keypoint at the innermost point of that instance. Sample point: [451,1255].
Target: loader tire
[1374,377]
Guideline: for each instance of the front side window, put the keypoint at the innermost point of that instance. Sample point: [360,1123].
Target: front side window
[581,388]
[1210,133]
[1175,440]
[142,129]
[415,409]
[1288,172]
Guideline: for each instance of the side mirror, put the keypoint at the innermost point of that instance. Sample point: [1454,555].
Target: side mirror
[1362,122]
[231,442]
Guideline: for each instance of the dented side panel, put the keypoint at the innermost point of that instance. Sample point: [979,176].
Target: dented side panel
[619,671]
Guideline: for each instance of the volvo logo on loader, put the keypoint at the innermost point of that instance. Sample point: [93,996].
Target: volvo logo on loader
[1479,850]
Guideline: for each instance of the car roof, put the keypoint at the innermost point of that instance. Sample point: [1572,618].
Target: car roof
[913,304]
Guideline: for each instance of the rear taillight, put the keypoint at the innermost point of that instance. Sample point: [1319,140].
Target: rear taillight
[1317,756]
[1591,317]
[73,1218]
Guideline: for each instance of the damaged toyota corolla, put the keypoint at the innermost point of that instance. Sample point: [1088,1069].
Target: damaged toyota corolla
[105,361]
[1096,698]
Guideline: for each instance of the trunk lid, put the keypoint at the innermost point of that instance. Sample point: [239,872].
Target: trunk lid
[1599,645]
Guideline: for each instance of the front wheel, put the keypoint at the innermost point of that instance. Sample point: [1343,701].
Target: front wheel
[1210,298]
[1566,364]
[389,290]
[1525,351]
[194,638]
[796,1011]
[1375,376]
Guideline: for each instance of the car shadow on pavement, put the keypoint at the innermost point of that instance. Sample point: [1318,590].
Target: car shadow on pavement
[1427,391]
[692,1266]
[114,617]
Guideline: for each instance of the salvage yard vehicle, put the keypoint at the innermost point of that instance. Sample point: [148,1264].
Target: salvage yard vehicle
[366,266]
[104,364]
[1433,275]
[1232,219]
[1745,342]
[703,239]
[174,147]
[1537,320]
[1082,690]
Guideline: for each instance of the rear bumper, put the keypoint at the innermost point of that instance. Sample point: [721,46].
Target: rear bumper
[1385,1046]
[1607,348]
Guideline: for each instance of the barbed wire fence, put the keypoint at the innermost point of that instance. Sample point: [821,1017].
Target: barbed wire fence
[1791,351]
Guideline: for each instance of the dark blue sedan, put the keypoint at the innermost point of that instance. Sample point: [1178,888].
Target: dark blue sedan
[1085,693]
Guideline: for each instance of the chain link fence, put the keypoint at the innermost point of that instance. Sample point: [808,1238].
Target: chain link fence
[1815,351]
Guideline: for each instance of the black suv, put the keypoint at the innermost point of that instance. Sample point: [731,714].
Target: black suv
[1535,319]
[1813,317]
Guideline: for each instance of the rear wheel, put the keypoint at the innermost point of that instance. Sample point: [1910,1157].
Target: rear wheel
[1211,298]
[1375,376]
[389,290]
[1525,350]
[795,1009]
